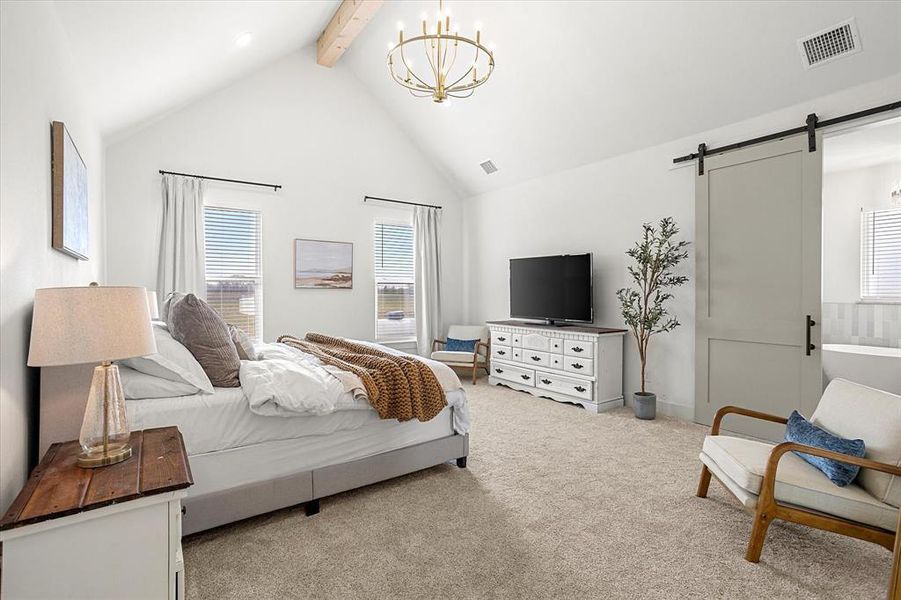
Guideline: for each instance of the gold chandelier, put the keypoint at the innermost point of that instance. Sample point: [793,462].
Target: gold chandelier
[444,49]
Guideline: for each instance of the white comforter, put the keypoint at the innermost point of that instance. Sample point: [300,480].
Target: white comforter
[287,382]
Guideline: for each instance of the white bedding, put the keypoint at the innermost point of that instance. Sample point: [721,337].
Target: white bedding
[289,395]
[223,420]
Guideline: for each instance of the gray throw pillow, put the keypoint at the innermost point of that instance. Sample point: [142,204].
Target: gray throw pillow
[168,302]
[201,330]
[243,343]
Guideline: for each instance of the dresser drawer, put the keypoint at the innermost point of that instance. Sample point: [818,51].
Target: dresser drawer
[501,338]
[556,345]
[536,341]
[556,361]
[564,385]
[502,352]
[535,358]
[577,364]
[517,340]
[514,374]
[578,348]
[517,354]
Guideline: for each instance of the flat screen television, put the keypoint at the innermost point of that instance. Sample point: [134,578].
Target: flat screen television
[552,288]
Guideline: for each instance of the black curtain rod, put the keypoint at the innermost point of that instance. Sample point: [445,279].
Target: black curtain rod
[794,131]
[274,186]
[365,198]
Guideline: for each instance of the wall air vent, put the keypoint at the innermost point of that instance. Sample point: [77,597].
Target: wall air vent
[488,166]
[832,43]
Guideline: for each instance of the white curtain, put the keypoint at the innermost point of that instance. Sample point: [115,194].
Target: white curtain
[182,256]
[426,228]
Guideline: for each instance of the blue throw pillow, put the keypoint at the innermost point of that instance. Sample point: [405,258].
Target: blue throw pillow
[461,345]
[802,431]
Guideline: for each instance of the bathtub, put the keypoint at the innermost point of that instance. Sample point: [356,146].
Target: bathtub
[870,365]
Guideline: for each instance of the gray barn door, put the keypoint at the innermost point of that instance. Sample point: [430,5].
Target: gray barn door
[758,213]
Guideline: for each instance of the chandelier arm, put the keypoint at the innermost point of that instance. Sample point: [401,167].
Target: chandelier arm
[409,70]
[478,82]
[409,86]
[452,95]
[426,43]
[453,61]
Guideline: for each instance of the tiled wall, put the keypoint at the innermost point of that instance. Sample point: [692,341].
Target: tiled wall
[862,324]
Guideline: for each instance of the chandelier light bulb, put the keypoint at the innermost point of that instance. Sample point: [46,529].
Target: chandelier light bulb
[478,26]
[390,45]
[400,25]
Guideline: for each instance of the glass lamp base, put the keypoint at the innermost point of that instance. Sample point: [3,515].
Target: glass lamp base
[90,460]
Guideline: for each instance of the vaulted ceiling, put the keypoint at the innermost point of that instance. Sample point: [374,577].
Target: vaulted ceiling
[575,82]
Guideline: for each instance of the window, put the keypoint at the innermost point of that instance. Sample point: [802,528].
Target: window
[394,283]
[880,252]
[234,278]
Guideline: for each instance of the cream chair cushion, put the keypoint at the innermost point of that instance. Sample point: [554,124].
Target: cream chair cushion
[851,410]
[468,332]
[740,464]
[455,357]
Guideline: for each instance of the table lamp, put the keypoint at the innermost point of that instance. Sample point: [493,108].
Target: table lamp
[73,325]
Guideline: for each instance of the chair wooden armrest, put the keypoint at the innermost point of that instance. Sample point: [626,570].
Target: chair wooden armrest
[475,352]
[435,344]
[715,428]
[769,477]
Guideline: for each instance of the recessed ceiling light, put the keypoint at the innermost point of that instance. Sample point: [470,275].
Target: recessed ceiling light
[243,40]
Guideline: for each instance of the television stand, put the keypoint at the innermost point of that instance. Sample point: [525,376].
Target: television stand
[580,364]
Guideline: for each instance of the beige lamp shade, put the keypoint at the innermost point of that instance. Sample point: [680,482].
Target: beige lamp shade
[154,303]
[89,324]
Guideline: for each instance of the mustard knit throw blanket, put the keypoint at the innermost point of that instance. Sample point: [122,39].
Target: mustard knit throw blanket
[399,387]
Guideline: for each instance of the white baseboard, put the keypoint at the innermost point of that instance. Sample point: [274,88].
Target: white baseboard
[669,409]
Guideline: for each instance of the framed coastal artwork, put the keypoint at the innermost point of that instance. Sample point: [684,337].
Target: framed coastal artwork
[69,177]
[323,265]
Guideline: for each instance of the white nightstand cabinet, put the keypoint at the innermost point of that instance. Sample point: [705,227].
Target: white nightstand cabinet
[576,364]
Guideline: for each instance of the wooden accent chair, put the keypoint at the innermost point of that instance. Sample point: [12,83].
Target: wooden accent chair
[478,359]
[772,482]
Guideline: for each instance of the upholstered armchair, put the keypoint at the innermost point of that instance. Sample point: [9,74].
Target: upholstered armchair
[475,359]
[772,482]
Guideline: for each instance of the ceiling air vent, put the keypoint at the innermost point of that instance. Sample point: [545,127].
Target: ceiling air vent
[830,44]
[488,166]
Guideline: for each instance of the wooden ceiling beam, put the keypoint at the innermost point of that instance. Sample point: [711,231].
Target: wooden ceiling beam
[348,21]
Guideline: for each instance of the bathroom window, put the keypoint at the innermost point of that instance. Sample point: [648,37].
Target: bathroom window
[880,252]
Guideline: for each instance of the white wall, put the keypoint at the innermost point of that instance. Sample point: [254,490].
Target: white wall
[317,132]
[599,208]
[845,194]
[38,85]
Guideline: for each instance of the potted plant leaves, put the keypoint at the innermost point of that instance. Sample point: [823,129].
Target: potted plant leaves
[656,256]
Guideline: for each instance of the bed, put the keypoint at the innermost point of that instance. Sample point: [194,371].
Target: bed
[245,464]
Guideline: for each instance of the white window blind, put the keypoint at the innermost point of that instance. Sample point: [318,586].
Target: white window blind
[234,278]
[880,269]
[394,282]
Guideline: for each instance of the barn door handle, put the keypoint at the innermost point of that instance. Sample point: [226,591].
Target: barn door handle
[810,323]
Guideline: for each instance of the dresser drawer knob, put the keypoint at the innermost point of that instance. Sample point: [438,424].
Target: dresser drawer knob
[498,370]
[501,338]
[579,388]
[546,381]
[501,352]
[577,365]
[536,358]
[526,377]
[577,349]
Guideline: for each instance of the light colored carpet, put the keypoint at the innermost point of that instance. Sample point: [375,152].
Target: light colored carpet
[556,503]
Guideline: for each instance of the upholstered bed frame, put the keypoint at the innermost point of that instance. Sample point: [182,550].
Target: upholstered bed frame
[63,398]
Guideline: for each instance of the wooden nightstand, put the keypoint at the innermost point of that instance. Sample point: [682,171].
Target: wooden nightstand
[110,532]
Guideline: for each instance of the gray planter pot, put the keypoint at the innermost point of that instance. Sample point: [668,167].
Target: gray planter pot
[645,405]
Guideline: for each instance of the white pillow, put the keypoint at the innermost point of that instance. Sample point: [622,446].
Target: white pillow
[137,385]
[172,361]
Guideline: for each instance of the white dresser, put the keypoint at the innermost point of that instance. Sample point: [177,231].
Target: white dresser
[576,364]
